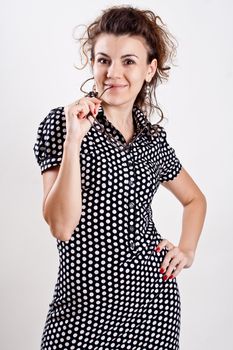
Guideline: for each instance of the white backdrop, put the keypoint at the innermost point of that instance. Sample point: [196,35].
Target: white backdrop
[37,74]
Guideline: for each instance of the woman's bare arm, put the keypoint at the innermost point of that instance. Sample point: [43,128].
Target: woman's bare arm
[62,202]
[194,202]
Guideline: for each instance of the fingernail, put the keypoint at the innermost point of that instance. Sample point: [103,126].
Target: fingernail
[164,277]
[161,270]
[171,277]
[157,249]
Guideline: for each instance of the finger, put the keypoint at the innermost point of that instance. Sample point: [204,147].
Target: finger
[96,111]
[97,106]
[92,107]
[91,119]
[178,269]
[95,100]
[164,244]
[84,107]
[91,104]
[89,100]
[172,266]
[158,248]
[81,115]
[78,111]
[166,261]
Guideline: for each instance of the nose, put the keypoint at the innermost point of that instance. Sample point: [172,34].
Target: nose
[114,70]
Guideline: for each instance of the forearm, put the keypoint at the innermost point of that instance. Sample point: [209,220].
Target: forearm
[63,205]
[192,224]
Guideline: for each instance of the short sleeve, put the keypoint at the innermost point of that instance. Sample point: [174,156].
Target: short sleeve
[48,148]
[169,163]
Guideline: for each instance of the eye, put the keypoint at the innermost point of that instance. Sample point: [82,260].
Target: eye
[102,60]
[129,61]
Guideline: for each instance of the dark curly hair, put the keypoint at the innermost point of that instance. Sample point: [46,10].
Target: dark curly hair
[128,20]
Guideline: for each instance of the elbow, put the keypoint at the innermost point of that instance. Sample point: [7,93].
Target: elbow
[204,202]
[62,234]
[59,230]
[201,202]
[198,200]
[202,199]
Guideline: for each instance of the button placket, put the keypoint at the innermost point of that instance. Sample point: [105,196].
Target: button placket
[132,213]
[131,203]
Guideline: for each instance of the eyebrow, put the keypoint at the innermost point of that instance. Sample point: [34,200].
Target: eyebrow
[124,56]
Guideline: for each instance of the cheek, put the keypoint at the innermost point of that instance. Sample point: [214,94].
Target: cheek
[95,72]
[99,74]
[137,77]
[136,83]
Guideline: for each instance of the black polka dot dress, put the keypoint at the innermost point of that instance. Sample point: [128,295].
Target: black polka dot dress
[109,292]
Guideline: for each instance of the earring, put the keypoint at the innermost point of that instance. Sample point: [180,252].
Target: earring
[147,94]
[147,99]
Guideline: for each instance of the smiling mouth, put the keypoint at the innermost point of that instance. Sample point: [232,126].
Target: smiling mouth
[115,85]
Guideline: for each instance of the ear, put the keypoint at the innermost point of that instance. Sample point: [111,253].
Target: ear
[152,67]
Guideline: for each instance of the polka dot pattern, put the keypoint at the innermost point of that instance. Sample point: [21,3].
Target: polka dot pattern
[109,293]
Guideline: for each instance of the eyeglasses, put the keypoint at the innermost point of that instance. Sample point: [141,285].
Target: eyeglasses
[99,127]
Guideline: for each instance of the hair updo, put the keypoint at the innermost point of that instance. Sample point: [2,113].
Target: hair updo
[128,20]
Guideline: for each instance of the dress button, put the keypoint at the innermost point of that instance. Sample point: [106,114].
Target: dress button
[132,245]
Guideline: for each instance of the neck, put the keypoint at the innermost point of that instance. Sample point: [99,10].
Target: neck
[119,116]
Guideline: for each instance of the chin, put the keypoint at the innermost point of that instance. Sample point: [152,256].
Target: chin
[116,102]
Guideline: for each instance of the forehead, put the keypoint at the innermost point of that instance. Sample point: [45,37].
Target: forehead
[120,45]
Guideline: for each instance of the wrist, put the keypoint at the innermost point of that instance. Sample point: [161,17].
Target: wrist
[72,143]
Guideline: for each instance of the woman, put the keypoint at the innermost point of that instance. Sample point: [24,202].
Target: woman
[116,287]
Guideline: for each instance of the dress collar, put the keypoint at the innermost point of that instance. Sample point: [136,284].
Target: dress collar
[142,122]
